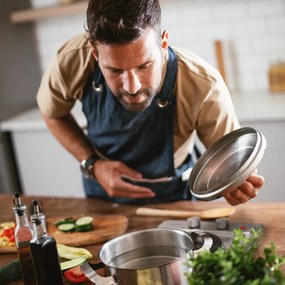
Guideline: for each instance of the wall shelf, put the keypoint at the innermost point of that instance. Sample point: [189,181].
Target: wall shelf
[29,15]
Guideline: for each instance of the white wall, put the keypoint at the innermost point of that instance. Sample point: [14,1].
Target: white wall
[252,33]
[53,32]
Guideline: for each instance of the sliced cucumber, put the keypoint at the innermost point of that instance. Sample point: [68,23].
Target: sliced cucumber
[84,224]
[67,227]
[84,228]
[72,263]
[84,221]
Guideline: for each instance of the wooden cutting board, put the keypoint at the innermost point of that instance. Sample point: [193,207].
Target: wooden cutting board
[105,227]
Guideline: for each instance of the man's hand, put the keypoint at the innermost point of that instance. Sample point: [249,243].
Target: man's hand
[246,191]
[109,174]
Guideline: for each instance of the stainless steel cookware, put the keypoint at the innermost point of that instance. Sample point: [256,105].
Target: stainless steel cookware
[154,256]
[227,163]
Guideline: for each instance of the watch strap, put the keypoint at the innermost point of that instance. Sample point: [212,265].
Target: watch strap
[90,160]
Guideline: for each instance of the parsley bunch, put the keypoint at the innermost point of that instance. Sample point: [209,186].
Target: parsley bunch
[238,265]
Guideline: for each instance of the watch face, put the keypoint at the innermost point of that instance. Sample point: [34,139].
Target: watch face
[87,166]
[87,171]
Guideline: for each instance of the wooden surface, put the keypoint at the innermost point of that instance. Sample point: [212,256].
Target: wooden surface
[23,16]
[105,227]
[220,58]
[271,215]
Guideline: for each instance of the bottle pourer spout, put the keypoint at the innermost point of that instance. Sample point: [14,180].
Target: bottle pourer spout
[37,204]
[17,200]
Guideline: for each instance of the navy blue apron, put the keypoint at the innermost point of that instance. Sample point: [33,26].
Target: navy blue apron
[142,140]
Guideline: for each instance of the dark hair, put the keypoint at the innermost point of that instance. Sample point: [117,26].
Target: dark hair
[121,21]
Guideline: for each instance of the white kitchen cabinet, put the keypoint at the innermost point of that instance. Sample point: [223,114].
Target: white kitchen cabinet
[272,166]
[45,167]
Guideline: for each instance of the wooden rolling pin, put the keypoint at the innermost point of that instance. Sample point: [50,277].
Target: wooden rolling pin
[220,59]
[205,214]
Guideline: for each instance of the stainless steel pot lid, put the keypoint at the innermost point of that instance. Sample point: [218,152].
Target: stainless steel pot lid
[227,164]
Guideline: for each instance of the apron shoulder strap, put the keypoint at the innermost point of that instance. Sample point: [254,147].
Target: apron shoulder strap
[170,76]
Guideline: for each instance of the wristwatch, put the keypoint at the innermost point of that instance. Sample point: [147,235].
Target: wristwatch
[87,166]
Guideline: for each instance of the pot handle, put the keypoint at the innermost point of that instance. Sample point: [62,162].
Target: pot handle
[96,278]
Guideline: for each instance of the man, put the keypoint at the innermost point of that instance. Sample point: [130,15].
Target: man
[144,103]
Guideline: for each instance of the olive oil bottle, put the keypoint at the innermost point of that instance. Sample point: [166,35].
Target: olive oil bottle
[23,236]
[44,251]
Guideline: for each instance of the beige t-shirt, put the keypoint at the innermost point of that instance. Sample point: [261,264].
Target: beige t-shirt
[203,104]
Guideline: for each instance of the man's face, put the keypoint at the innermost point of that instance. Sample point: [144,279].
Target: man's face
[133,71]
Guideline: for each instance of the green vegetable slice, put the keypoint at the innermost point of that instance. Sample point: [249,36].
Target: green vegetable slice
[84,228]
[66,227]
[72,263]
[84,221]
[84,224]
[70,252]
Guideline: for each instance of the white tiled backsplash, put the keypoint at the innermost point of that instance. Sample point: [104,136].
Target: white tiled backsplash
[252,34]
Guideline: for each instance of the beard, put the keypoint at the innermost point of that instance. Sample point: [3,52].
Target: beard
[145,98]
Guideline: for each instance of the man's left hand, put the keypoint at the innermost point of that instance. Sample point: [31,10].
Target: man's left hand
[246,191]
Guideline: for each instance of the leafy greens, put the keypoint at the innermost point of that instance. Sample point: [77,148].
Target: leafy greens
[238,265]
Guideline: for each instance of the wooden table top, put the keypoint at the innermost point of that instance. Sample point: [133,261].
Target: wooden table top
[271,215]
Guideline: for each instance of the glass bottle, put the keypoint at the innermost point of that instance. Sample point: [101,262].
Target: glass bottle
[23,235]
[44,251]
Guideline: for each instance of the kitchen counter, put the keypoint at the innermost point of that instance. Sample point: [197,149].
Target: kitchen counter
[31,120]
[273,217]
[259,106]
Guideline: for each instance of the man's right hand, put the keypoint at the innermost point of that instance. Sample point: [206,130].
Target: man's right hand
[109,174]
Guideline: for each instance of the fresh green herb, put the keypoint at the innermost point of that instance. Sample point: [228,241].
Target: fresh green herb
[238,265]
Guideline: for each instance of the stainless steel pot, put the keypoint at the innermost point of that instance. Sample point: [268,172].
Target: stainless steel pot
[155,256]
